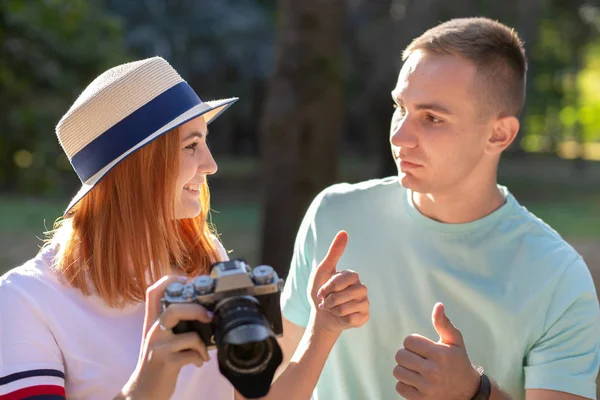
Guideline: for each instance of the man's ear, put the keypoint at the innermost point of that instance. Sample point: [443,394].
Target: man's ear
[504,131]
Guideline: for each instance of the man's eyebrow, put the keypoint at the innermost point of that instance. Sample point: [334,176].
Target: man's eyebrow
[433,107]
[426,106]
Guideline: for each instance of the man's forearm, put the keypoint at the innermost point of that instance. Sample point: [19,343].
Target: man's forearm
[299,379]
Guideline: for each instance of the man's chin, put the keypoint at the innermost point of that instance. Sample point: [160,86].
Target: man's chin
[409,181]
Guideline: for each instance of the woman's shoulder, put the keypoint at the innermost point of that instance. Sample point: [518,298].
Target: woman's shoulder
[220,248]
[33,274]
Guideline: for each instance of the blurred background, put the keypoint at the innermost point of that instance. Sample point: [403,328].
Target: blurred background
[314,80]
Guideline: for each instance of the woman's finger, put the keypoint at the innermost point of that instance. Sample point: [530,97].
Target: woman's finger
[186,357]
[184,312]
[164,348]
[153,296]
[188,341]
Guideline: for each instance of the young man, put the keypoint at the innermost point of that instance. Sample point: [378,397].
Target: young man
[521,301]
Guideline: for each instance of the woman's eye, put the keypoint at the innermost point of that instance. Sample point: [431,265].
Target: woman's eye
[192,146]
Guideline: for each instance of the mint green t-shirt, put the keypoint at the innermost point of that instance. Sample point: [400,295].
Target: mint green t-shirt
[522,297]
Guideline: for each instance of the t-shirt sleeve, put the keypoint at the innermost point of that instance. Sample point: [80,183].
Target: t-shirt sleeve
[567,356]
[30,361]
[295,304]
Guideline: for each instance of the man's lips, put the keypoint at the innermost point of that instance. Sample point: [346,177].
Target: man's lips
[408,163]
[405,165]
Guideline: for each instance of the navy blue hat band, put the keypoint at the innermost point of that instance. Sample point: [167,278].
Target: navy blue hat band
[134,129]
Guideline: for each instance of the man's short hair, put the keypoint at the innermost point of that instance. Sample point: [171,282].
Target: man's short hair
[496,51]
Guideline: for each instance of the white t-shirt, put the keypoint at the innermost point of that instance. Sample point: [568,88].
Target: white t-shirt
[54,340]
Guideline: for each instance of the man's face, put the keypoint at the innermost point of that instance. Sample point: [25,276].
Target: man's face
[437,133]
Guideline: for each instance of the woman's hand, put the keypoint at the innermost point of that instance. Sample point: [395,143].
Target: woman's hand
[339,297]
[164,353]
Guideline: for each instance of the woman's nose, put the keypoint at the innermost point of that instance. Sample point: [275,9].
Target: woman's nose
[206,162]
[207,165]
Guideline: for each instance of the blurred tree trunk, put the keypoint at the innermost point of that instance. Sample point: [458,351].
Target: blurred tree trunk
[301,124]
[405,23]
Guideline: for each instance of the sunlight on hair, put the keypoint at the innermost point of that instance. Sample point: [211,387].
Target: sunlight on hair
[129,217]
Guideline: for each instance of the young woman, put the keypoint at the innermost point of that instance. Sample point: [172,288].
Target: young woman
[82,319]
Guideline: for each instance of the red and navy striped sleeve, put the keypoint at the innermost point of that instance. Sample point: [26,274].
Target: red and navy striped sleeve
[33,384]
[31,362]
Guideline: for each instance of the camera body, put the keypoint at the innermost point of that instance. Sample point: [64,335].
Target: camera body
[246,321]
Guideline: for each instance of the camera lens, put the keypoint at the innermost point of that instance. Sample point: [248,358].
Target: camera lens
[243,335]
[248,355]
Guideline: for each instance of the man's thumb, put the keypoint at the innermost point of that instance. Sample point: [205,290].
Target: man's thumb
[447,331]
[328,265]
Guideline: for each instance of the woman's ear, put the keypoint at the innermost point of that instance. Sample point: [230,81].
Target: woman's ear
[504,131]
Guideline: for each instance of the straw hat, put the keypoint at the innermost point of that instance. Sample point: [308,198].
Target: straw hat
[124,109]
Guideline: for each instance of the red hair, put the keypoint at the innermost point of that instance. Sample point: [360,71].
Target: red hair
[123,235]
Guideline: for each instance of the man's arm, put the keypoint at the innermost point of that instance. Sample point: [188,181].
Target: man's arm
[292,335]
[338,302]
[563,363]
[535,394]
[303,369]
[302,365]
[566,356]
[543,394]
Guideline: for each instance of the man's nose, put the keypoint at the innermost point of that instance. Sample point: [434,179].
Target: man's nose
[403,135]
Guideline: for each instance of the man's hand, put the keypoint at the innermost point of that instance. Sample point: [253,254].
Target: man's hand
[339,298]
[436,370]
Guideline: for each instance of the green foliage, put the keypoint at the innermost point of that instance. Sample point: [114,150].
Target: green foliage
[49,51]
[564,101]
[588,83]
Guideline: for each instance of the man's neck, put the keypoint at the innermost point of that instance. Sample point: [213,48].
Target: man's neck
[461,205]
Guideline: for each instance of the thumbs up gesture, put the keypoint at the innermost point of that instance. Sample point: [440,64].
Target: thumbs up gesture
[436,370]
[340,299]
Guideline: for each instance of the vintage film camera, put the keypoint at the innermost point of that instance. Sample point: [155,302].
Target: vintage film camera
[246,321]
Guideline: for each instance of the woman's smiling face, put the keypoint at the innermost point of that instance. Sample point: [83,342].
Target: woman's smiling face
[196,162]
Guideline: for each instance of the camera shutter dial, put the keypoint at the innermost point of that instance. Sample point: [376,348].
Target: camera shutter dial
[203,284]
[188,292]
[263,274]
[175,289]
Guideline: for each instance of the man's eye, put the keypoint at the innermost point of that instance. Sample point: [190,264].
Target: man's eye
[433,119]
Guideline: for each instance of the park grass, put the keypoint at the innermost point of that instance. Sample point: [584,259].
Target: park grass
[569,202]
[24,220]
[576,219]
